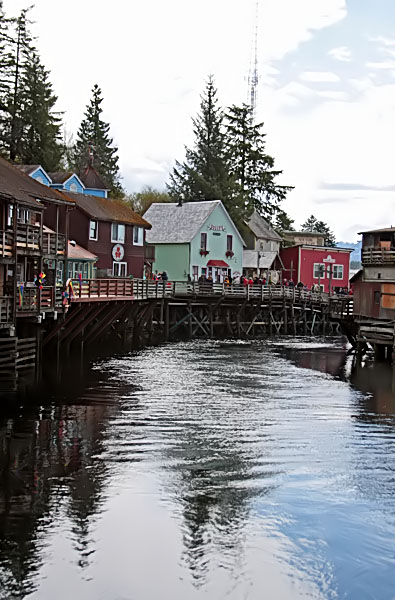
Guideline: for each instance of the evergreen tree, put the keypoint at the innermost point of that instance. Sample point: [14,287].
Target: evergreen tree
[204,174]
[250,166]
[313,224]
[95,147]
[41,138]
[283,222]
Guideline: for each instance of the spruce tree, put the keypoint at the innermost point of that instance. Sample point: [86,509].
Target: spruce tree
[204,174]
[313,224]
[41,138]
[250,166]
[95,146]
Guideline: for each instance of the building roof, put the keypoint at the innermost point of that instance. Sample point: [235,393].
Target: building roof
[16,185]
[91,179]
[107,209]
[60,176]
[28,169]
[328,249]
[250,259]
[78,252]
[304,233]
[261,228]
[178,224]
[383,230]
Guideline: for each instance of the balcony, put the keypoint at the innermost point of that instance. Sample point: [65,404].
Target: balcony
[54,245]
[6,244]
[28,238]
[376,256]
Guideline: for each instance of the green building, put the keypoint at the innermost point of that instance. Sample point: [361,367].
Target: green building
[194,239]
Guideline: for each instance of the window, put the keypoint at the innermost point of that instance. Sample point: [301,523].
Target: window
[73,187]
[118,232]
[319,271]
[119,269]
[23,215]
[10,214]
[93,230]
[338,271]
[138,236]
[203,241]
[229,243]
[195,272]
[377,297]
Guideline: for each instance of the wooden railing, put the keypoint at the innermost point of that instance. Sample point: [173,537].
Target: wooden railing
[28,237]
[32,299]
[6,243]
[53,244]
[6,310]
[371,256]
[100,288]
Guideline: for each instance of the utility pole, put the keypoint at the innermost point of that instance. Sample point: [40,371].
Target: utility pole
[253,76]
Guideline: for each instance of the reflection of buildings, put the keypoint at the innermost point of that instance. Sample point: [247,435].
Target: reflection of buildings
[377,380]
[43,462]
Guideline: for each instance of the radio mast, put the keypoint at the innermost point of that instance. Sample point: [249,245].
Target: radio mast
[253,77]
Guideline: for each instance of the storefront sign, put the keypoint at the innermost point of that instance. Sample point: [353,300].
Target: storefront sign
[118,252]
[216,228]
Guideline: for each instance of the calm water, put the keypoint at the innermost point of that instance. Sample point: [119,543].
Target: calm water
[203,471]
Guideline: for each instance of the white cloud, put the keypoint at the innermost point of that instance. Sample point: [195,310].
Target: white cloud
[387,64]
[319,77]
[341,53]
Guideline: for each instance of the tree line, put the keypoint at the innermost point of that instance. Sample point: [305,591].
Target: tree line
[228,160]
[31,127]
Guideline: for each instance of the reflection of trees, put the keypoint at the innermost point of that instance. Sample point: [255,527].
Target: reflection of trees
[43,465]
[217,477]
[377,381]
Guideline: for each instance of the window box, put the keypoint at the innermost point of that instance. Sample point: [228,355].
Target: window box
[229,253]
[204,252]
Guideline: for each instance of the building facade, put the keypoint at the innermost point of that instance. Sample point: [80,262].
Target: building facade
[262,248]
[329,268]
[194,239]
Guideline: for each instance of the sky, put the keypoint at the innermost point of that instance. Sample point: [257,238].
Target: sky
[326,90]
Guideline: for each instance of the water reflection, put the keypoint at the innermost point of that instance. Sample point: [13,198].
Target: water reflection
[203,471]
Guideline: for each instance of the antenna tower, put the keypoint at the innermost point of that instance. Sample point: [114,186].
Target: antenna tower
[253,77]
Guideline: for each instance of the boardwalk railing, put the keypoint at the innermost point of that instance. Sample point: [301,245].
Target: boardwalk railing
[372,256]
[54,244]
[139,289]
[32,299]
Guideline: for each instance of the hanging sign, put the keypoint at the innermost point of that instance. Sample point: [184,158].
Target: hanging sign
[118,252]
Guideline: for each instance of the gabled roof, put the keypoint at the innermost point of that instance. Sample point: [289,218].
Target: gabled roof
[106,209]
[16,185]
[28,169]
[261,228]
[61,177]
[92,180]
[75,251]
[175,224]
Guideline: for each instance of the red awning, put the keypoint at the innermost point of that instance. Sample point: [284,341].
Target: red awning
[218,263]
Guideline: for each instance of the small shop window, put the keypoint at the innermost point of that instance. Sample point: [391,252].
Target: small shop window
[93,230]
[338,271]
[229,243]
[138,236]
[195,272]
[319,271]
[23,216]
[118,233]
[119,269]
[377,297]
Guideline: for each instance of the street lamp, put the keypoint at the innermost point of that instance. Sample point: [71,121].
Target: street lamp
[329,261]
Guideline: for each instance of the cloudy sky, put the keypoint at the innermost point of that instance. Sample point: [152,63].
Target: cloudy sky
[326,91]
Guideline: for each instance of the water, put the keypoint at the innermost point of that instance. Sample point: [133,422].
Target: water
[203,471]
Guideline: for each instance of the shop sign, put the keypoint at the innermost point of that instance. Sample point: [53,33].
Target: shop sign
[118,252]
[216,228]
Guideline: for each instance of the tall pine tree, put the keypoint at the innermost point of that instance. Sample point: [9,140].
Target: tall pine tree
[41,137]
[95,147]
[313,224]
[250,166]
[204,174]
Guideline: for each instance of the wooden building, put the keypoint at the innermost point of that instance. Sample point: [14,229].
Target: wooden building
[262,248]
[110,230]
[305,238]
[329,268]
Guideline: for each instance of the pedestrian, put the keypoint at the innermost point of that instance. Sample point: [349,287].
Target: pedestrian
[164,276]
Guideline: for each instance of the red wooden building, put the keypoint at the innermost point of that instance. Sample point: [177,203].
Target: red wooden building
[112,231]
[317,265]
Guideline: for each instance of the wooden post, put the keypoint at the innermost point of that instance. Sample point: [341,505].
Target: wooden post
[211,314]
[190,321]
[304,319]
[167,320]
[285,317]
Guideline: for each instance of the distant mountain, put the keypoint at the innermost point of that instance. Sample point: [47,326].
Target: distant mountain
[356,254]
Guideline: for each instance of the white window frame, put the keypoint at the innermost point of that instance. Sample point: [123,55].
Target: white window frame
[140,236]
[74,187]
[341,267]
[121,264]
[97,230]
[316,270]
[119,239]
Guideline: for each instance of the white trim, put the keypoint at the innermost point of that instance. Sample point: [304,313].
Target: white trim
[140,237]
[118,241]
[68,179]
[93,239]
[120,264]
[333,272]
[324,271]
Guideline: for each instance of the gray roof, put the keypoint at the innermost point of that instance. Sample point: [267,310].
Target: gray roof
[304,233]
[261,228]
[384,230]
[174,224]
